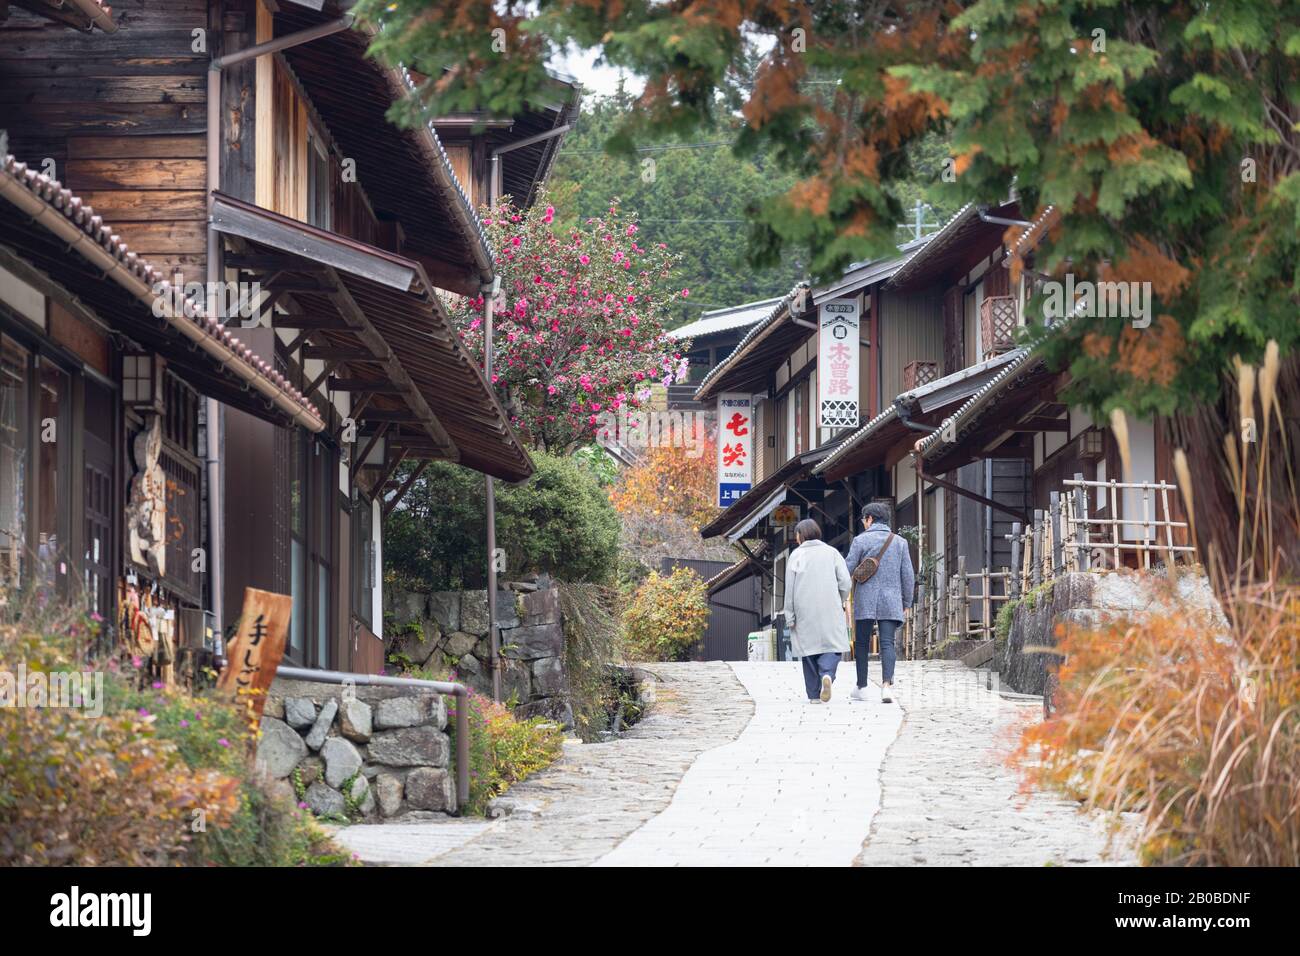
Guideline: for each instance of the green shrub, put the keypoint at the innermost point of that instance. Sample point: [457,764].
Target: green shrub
[502,748]
[559,521]
[667,616]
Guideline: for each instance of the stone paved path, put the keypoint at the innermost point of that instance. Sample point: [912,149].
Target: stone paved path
[798,787]
[597,794]
[950,796]
[734,767]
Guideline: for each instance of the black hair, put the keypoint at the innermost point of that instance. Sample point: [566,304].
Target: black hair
[878,511]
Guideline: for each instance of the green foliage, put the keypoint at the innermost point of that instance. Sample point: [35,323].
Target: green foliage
[502,749]
[693,195]
[599,462]
[593,651]
[265,831]
[1002,626]
[559,521]
[667,616]
[1165,134]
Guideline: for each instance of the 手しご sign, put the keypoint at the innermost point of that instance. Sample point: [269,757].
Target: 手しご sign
[735,447]
[837,363]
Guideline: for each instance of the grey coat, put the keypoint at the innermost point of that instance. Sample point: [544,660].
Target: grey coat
[890,589]
[816,586]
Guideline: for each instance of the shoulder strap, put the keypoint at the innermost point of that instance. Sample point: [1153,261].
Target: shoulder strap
[888,541]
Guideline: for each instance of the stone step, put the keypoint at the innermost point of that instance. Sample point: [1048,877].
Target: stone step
[980,655]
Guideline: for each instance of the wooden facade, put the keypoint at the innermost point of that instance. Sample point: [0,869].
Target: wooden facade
[348,225]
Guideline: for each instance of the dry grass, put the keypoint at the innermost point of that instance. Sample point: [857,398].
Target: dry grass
[1196,730]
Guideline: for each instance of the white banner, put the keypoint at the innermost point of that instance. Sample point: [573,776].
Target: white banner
[837,363]
[735,447]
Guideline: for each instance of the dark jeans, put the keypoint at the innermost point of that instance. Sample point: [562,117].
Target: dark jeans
[814,667]
[862,648]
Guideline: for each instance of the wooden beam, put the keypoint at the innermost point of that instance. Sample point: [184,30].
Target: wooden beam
[299,321]
[392,502]
[367,385]
[341,352]
[349,309]
[988,502]
[272,262]
[361,456]
[315,383]
[405,417]
[388,471]
[1041,423]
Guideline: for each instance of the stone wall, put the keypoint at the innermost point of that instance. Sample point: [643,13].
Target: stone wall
[447,631]
[1090,600]
[362,752]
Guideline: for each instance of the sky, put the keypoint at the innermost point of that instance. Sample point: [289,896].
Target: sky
[595,79]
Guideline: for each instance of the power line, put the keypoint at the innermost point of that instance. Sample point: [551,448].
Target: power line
[649,149]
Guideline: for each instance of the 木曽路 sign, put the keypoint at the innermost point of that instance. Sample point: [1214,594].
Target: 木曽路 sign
[837,363]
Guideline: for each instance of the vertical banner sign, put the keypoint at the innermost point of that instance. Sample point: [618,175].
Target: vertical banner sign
[255,652]
[735,447]
[837,363]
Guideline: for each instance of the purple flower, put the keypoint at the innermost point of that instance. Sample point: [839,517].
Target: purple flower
[143,712]
[156,685]
[224,742]
[184,723]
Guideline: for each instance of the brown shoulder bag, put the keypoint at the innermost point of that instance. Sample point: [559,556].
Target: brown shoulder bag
[867,569]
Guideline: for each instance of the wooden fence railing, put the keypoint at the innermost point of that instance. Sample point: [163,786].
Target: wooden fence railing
[1071,535]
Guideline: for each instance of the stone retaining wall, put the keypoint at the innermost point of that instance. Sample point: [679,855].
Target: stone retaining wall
[1090,600]
[447,631]
[362,752]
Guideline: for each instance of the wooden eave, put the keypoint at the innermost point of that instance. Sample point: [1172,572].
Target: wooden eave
[386,326]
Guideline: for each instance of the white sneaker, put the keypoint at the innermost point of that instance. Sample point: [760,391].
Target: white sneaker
[826,688]
[860,693]
[886,693]
[814,700]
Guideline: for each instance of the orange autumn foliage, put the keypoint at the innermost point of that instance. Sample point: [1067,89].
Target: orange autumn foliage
[1194,730]
[668,481]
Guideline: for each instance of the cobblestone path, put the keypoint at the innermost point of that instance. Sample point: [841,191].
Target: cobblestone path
[734,767]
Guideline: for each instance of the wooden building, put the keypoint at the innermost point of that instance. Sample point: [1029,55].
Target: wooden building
[243,144]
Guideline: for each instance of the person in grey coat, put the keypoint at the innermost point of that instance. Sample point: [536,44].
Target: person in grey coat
[816,608]
[881,601]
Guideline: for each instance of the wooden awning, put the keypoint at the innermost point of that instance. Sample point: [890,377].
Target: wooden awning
[58,236]
[764,346]
[376,321]
[405,173]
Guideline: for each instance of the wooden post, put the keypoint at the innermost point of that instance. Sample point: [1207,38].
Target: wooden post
[1145,551]
[1169,526]
[986,607]
[963,598]
[1013,582]
[1058,552]
[1114,522]
[1081,526]
[1036,561]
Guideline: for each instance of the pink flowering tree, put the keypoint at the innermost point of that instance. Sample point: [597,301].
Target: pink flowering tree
[579,324]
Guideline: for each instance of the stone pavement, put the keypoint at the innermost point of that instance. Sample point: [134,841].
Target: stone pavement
[798,787]
[734,767]
[951,797]
[579,808]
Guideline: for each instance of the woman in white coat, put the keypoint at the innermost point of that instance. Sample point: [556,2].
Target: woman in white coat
[817,588]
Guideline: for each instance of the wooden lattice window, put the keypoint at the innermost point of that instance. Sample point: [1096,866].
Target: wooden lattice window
[916,374]
[998,324]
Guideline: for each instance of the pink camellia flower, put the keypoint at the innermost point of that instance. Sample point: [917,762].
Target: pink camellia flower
[584,259]
[686,293]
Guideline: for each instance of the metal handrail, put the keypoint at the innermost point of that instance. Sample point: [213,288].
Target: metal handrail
[459,691]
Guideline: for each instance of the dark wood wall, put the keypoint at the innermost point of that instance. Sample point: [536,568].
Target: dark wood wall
[121,115]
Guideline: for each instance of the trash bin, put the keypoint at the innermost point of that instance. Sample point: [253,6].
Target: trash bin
[762,645]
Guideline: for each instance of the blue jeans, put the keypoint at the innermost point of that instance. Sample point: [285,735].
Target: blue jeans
[816,666]
[862,648]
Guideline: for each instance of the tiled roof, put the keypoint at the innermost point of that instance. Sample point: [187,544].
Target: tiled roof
[62,202]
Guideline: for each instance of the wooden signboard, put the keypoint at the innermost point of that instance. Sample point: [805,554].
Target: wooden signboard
[255,652]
